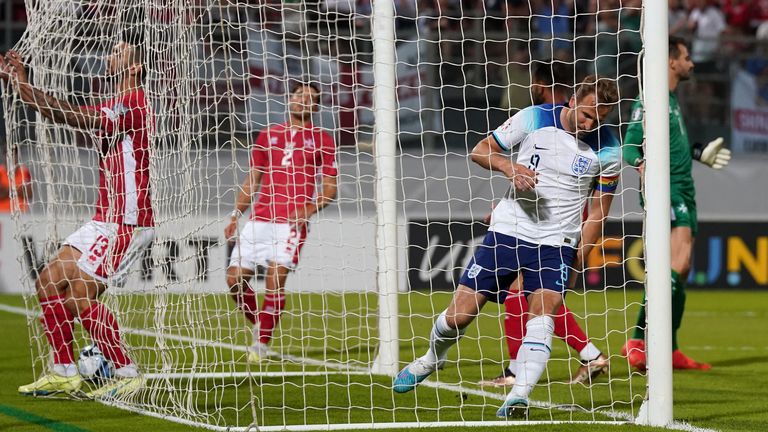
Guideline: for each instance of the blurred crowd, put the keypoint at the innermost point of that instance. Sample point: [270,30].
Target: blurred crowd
[477,36]
[480,51]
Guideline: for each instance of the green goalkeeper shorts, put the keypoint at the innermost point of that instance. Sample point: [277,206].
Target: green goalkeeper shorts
[684,213]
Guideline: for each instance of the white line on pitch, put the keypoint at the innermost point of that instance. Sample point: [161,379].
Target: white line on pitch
[627,417]
[726,348]
[331,365]
[203,343]
[16,310]
[739,314]
[200,375]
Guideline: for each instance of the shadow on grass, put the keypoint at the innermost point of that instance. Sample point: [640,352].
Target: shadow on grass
[741,361]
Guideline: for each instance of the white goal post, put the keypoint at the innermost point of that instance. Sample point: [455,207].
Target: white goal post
[406,92]
[385,154]
[657,237]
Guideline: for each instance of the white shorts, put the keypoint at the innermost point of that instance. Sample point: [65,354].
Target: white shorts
[260,243]
[109,249]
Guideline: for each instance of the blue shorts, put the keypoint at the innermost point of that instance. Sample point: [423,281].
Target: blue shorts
[500,258]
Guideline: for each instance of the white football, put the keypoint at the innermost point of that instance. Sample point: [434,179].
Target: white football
[89,366]
[92,364]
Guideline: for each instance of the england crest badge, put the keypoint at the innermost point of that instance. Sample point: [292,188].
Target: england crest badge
[580,165]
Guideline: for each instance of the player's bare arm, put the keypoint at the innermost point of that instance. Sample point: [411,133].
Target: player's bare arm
[50,107]
[599,207]
[488,154]
[641,170]
[244,196]
[326,196]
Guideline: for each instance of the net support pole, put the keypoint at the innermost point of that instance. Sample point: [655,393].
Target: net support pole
[658,404]
[385,153]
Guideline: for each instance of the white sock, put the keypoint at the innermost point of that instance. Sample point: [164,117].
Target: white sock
[513,366]
[533,355]
[255,333]
[127,371]
[259,347]
[441,339]
[589,353]
[65,370]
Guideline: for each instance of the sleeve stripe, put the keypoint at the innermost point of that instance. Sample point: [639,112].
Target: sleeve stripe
[498,141]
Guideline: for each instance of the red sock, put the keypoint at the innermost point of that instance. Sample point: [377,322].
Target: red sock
[246,301]
[568,329]
[102,326]
[57,322]
[269,315]
[516,307]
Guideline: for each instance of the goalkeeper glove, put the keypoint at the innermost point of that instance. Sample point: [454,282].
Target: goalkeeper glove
[712,154]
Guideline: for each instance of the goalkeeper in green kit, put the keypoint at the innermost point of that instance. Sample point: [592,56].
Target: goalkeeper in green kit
[683,201]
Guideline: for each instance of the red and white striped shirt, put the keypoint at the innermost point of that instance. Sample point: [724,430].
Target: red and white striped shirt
[124,189]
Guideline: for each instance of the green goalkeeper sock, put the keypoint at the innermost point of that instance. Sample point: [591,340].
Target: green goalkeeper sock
[639,332]
[678,306]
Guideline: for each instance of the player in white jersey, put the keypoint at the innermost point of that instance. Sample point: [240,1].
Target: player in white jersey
[551,83]
[557,153]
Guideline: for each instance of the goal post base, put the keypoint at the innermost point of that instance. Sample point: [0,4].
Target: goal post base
[643,419]
[383,364]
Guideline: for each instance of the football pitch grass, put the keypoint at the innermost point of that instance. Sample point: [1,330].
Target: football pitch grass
[725,328]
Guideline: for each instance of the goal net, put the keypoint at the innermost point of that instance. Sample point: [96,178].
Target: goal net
[217,73]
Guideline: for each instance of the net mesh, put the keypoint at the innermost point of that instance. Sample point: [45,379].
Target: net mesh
[218,72]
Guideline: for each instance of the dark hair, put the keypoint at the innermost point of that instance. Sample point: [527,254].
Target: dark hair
[674,46]
[555,74]
[311,84]
[605,90]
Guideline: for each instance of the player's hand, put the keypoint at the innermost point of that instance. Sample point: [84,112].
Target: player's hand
[302,214]
[231,230]
[16,62]
[523,178]
[713,154]
[6,70]
[300,217]
[576,270]
[574,276]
